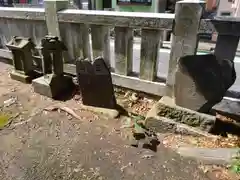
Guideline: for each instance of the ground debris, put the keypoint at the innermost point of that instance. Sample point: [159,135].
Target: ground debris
[10,102]
[135,102]
[147,156]
[219,173]
[68,110]
[217,142]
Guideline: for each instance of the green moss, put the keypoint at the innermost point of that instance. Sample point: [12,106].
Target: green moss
[4,119]
[235,164]
[180,116]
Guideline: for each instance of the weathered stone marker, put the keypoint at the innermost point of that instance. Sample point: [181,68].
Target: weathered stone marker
[22,59]
[53,83]
[95,83]
[202,81]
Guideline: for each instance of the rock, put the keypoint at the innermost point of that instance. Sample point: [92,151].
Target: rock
[95,84]
[165,116]
[202,81]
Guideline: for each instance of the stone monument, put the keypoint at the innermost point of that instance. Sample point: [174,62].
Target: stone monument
[201,81]
[95,83]
[22,59]
[53,83]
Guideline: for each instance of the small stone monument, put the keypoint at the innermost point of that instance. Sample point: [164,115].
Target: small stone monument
[95,83]
[201,81]
[53,83]
[22,59]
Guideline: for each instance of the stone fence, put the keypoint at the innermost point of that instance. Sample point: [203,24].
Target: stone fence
[86,34]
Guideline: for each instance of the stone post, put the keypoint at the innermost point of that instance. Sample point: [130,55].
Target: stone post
[184,40]
[51,9]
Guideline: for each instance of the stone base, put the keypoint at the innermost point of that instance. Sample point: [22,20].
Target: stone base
[53,86]
[166,109]
[24,78]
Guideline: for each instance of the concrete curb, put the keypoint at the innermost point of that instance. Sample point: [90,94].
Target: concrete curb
[216,156]
[166,116]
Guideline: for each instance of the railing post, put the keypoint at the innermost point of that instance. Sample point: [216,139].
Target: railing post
[185,37]
[51,9]
[53,26]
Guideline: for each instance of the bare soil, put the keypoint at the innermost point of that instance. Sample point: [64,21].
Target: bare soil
[40,144]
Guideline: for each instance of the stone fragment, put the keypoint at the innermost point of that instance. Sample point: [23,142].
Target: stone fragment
[95,83]
[201,81]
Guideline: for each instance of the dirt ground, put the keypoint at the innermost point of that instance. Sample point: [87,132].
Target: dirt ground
[42,144]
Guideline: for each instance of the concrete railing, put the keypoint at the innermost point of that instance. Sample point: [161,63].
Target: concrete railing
[87,35]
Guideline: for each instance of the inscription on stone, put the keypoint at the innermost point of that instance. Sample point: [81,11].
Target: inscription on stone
[202,81]
[95,83]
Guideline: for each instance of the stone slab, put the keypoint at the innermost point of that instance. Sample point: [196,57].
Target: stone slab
[53,86]
[219,156]
[165,107]
[228,107]
[165,125]
[24,78]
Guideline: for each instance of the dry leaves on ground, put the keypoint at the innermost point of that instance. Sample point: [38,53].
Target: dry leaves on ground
[219,173]
[218,142]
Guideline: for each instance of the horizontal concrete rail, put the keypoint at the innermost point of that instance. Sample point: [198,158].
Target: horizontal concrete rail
[22,13]
[112,18]
[122,19]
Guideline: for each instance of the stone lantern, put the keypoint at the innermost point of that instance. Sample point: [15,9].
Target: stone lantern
[22,59]
[53,83]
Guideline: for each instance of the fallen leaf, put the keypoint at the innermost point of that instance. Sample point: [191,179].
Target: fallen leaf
[63,108]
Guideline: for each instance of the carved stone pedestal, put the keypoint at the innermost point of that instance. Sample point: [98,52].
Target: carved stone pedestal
[22,59]
[53,83]
[22,77]
[53,86]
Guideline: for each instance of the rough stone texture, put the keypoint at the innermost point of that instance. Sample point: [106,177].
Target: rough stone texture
[166,125]
[202,81]
[166,108]
[229,108]
[185,37]
[53,86]
[95,83]
[23,77]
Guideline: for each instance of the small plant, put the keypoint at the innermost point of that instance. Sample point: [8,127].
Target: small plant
[235,165]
